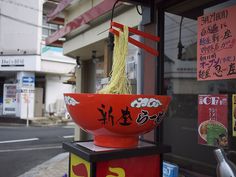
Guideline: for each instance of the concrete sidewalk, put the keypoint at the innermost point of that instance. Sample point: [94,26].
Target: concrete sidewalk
[50,121]
[55,167]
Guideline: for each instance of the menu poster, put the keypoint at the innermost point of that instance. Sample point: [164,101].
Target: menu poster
[216,45]
[234,114]
[212,120]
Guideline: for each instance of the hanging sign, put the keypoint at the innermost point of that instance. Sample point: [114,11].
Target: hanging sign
[216,45]
[234,114]
[212,120]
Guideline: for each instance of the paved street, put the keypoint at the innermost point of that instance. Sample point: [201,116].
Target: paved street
[22,148]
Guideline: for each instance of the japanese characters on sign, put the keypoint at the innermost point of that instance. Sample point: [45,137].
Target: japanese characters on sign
[125,118]
[212,120]
[20,63]
[216,57]
[234,114]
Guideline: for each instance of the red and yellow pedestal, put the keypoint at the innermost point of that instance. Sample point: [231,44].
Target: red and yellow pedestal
[88,160]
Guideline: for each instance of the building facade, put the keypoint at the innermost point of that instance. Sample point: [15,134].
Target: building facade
[31,73]
[180,70]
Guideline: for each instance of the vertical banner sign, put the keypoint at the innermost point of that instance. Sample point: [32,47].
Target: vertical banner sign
[234,114]
[212,120]
[216,45]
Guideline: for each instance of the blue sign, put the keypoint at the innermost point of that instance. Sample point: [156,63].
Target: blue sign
[28,79]
[170,170]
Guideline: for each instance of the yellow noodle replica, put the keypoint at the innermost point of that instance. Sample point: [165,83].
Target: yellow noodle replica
[119,83]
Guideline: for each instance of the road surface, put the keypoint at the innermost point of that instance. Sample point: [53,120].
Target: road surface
[22,148]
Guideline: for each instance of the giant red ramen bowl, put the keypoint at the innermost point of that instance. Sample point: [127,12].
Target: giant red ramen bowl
[116,120]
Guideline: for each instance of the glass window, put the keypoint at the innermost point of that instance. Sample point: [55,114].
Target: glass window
[45,32]
[180,79]
[45,21]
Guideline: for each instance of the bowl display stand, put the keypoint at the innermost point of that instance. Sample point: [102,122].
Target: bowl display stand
[116,123]
[88,160]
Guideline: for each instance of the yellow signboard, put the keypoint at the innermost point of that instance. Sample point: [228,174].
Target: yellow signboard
[79,167]
[234,114]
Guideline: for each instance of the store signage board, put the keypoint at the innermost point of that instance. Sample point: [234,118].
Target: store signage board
[20,63]
[213,120]
[216,45]
[234,114]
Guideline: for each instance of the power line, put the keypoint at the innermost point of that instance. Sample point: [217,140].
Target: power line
[21,5]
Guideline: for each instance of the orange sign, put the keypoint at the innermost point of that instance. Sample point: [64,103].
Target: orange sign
[216,45]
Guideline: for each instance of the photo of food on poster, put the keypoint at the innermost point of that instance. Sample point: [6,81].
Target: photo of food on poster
[234,114]
[213,120]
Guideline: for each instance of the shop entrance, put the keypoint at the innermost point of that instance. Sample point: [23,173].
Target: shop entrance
[182,126]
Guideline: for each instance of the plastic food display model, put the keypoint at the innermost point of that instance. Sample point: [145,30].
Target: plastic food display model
[116,120]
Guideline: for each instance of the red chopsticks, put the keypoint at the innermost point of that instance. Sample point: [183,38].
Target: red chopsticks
[135,42]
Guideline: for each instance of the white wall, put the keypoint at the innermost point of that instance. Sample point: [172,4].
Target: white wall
[20,26]
[55,89]
[91,36]
[53,61]
[56,67]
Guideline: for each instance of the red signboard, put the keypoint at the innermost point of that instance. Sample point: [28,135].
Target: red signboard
[216,45]
[130,167]
[212,120]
